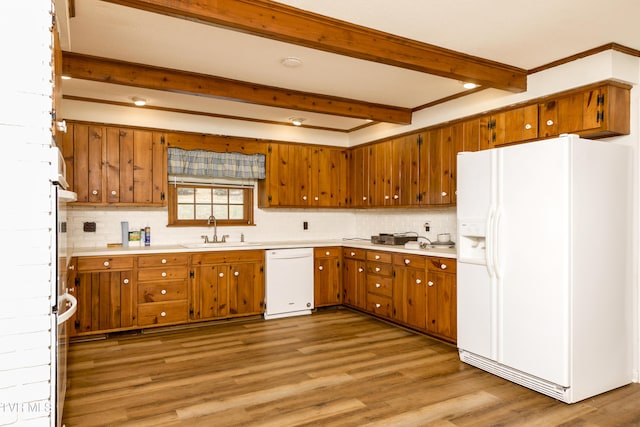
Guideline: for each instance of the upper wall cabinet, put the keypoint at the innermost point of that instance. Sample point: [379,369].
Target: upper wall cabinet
[594,112]
[508,127]
[299,175]
[116,166]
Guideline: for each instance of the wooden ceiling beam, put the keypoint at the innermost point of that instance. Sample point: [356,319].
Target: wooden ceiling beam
[288,24]
[113,71]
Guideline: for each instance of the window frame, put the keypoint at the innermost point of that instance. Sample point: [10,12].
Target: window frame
[172,201]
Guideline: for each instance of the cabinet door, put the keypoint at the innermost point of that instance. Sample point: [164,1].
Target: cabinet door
[548,119]
[321,177]
[105,301]
[520,124]
[327,277]
[405,168]
[380,174]
[359,177]
[441,305]
[465,136]
[212,291]
[436,159]
[354,283]
[246,288]
[88,155]
[409,296]
[339,186]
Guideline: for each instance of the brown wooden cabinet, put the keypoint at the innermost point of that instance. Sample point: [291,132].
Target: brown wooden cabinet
[441,298]
[116,166]
[162,296]
[327,276]
[359,195]
[379,283]
[227,284]
[511,126]
[436,166]
[409,290]
[104,287]
[354,278]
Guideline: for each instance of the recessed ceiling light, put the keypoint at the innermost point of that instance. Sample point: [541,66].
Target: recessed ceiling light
[296,121]
[291,62]
[140,102]
[470,85]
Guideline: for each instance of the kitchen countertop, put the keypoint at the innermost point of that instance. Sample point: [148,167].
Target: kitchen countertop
[196,247]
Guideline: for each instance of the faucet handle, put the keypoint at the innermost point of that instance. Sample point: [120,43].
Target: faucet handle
[224,238]
[206,238]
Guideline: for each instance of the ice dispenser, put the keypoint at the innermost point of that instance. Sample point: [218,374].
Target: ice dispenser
[472,241]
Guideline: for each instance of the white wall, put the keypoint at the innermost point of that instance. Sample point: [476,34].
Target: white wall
[26,222]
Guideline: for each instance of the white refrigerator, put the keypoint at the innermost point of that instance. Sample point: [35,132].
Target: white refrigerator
[544,265]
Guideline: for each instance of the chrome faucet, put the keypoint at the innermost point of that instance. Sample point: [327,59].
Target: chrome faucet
[215,230]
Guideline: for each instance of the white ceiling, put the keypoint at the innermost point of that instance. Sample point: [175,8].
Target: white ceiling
[521,34]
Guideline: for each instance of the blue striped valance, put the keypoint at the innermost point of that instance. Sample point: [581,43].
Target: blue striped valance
[202,163]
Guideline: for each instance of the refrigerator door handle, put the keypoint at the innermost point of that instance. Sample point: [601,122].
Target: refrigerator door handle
[490,244]
[495,253]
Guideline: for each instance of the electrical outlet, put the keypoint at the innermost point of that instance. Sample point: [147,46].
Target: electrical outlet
[89,227]
[427,226]
[305,225]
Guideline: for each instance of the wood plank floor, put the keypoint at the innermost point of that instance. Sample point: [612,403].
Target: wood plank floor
[333,368]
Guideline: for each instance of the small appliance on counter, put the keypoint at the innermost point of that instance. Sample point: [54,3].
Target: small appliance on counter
[392,239]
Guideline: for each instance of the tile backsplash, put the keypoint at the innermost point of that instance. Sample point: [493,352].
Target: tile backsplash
[271,225]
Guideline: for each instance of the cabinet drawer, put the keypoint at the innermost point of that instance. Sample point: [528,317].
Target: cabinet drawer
[353,253]
[104,263]
[379,268]
[327,252]
[380,285]
[155,292]
[224,257]
[442,264]
[160,260]
[159,313]
[379,256]
[379,304]
[410,260]
[163,273]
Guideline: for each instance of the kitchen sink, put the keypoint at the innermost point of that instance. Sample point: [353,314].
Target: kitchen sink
[218,245]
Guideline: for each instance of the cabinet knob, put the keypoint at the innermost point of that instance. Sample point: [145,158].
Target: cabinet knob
[164,261]
[430,283]
[72,267]
[327,253]
[527,126]
[163,292]
[106,263]
[418,281]
[72,290]
[316,198]
[114,192]
[353,254]
[443,266]
[386,197]
[377,256]
[235,273]
[396,197]
[364,198]
[407,261]
[321,268]
[304,197]
[377,269]
[377,305]
[163,314]
[360,270]
[164,274]
[94,192]
[221,275]
[549,122]
[443,194]
[125,281]
[378,285]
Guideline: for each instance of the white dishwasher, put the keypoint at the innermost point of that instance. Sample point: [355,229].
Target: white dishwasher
[289,282]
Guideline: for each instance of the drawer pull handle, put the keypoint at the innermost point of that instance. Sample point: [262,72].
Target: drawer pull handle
[360,270]
[549,122]
[321,268]
[407,261]
[125,281]
[236,273]
[418,281]
[221,275]
[443,266]
[327,253]
[527,126]
[304,197]
[353,254]
[163,314]
[443,194]
[106,264]
[163,292]
[113,192]
[164,261]
[430,283]
[378,285]
[377,269]
[377,256]
[94,192]
[164,274]
[377,305]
